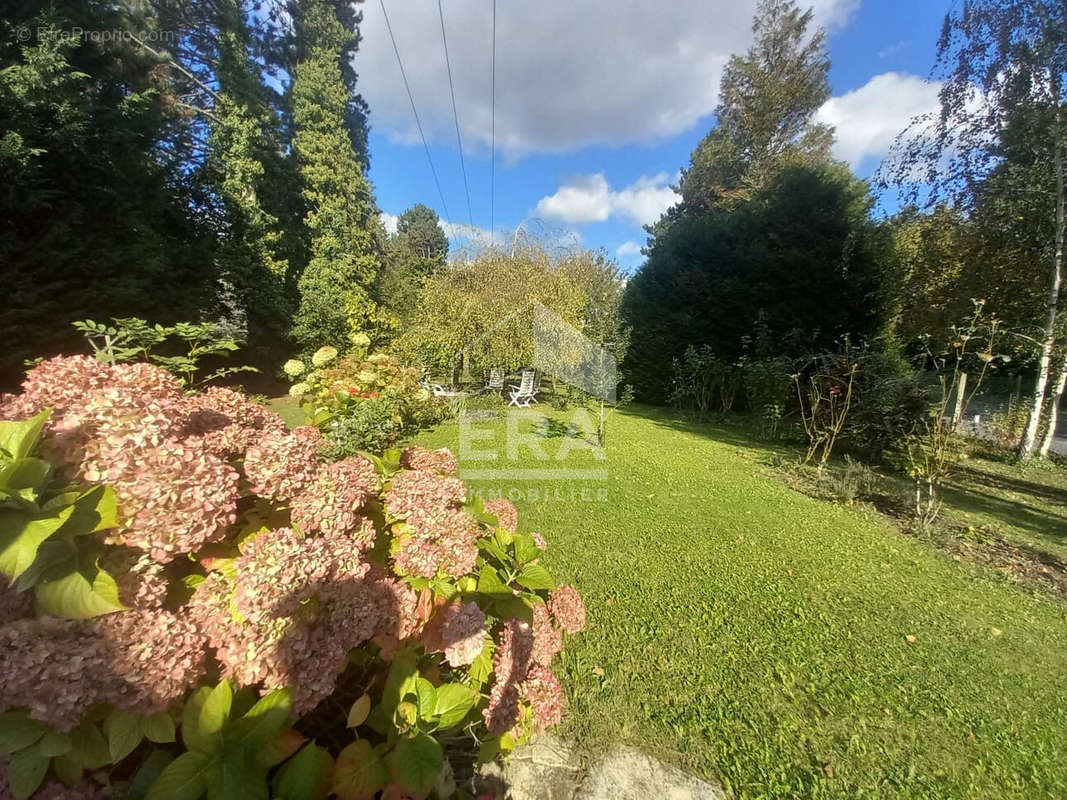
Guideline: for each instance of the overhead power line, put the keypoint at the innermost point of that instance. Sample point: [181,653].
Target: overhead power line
[455,114]
[411,99]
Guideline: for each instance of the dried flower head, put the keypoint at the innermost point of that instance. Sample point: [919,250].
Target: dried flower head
[542,691]
[567,609]
[282,465]
[511,663]
[547,639]
[329,504]
[458,630]
[440,461]
[507,516]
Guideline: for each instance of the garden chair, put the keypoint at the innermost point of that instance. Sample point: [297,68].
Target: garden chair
[525,391]
[496,381]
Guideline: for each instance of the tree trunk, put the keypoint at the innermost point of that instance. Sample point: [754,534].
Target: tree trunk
[1054,410]
[1029,438]
[961,393]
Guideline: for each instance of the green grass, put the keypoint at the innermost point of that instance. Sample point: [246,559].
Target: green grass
[1026,505]
[744,630]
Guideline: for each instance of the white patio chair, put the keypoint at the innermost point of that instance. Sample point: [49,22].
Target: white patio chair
[525,391]
[496,381]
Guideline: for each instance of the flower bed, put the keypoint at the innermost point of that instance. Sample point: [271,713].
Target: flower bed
[185,567]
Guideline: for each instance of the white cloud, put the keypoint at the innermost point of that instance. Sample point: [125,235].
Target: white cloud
[568,74]
[869,118]
[894,49]
[589,198]
[627,249]
[389,221]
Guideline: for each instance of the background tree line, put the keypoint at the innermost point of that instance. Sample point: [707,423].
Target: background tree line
[772,233]
[211,165]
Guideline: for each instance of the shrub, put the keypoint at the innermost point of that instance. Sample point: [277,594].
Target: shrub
[362,402]
[186,554]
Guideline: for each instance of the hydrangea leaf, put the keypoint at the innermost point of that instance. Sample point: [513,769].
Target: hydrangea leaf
[67,769]
[18,438]
[427,697]
[306,776]
[357,714]
[215,711]
[26,770]
[96,509]
[124,732]
[415,764]
[287,742]
[191,734]
[18,730]
[185,778]
[158,727]
[150,769]
[21,535]
[54,743]
[526,548]
[89,748]
[534,576]
[482,667]
[263,721]
[400,681]
[76,596]
[25,477]
[234,778]
[359,772]
[454,702]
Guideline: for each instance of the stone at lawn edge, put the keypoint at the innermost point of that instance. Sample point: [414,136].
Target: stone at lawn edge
[548,769]
[629,774]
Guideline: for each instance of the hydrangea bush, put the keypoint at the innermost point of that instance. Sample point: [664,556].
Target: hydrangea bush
[198,600]
[362,402]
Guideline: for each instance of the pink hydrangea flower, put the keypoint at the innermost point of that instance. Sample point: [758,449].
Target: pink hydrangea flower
[542,691]
[339,490]
[419,458]
[539,540]
[228,422]
[567,609]
[281,466]
[417,491]
[140,661]
[511,662]
[458,630]
[507,516]
[547,639]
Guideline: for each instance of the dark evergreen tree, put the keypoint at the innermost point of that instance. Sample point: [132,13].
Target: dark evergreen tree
[342,226]
[414,252]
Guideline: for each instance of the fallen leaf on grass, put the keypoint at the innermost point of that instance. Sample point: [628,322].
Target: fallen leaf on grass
[996,631]
[910,639]
[598,671]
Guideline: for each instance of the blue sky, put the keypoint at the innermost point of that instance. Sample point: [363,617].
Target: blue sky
[600,102]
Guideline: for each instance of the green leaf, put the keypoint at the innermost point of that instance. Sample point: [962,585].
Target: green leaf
[306,776]
[78,596]
[18,730]
[191,735]
[54,743]
[535,577]
[482,667]
[158,727]
[25,772]
[67,769]
[416,763]
[233,778]
[18,438]
[124,732]
[400,681]
[526,549]
[489,583]
[89,748]
[21,535]
[185,778]
[146,774]
[283,745]
[94,510]
[359,772]
[454,702]
[25,477]
[427,697]
[216,711]
[264,720]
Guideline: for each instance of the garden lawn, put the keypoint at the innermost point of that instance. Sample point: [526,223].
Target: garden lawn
[743,630]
